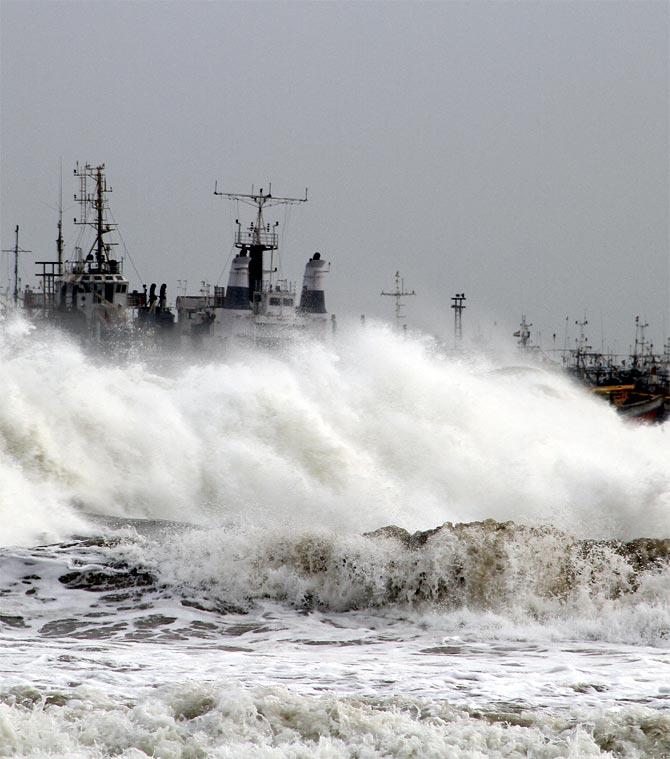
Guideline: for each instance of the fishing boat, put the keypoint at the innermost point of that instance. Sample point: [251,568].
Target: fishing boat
[258,305]
[633,403]
[637,386]
[88,294]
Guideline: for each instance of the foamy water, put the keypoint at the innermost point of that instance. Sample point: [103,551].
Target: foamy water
[272,626]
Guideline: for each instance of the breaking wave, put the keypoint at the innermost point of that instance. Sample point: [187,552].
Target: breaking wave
[484,579]
[232,723]
[158,511]
[477,576]
[371,429]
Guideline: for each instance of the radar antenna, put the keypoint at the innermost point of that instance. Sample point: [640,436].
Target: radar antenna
[96,202]
[399,293]
[259,237]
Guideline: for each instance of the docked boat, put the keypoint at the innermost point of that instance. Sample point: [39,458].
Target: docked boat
[88,294]
[258,305]
[638,386]
[633,403]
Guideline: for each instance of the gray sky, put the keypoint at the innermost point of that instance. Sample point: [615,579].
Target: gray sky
[515,151]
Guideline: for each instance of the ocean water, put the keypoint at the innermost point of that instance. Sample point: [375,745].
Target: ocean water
[192,559]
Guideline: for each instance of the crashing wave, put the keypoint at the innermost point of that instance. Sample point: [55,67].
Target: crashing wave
[372,429]
[230,722]
[615,589]
[480,573]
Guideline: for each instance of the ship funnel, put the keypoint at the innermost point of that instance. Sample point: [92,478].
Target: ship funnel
[313,299]
[237,292]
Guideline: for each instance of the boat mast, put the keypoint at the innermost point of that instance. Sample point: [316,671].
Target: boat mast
[99,253]
[16,250]
[59,239]
[259,236]
[399,293]
[523,333]
[458,304]
[582,344]
[640,342]
[98,202]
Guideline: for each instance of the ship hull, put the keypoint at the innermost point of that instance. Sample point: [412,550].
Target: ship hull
[645,410]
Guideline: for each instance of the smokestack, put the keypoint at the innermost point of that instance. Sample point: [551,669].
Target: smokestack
[313,298]
[237,292]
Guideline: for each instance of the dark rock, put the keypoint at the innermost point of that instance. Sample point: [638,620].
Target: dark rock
[216,606]
[104,579]
[391,532]
[12,621]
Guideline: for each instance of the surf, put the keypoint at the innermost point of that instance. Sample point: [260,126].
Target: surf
[368,430]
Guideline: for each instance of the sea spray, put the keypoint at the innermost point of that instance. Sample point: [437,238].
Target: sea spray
[367,430]
[222,577]
[232,723]
[527,576]
[485,579]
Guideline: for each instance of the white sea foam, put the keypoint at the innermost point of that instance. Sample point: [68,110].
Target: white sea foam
[283,460]
[482,579]
[371,430]
[228,722]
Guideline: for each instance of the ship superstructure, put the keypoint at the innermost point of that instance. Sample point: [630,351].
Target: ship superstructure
[258,304]
[89,294]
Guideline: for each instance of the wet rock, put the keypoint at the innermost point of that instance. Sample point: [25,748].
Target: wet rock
[61,627]
[154,620]
[391,532]
[98,633]
[107,579]
[12,621]
[215,605]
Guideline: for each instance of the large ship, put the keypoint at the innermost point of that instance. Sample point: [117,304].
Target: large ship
[258,305]
[88,294]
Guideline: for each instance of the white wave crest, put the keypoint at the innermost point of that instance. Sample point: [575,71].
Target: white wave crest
[234,723]
[370,430]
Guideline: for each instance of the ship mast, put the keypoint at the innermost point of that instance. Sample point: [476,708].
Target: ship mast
[259,237]
[523,333]
[97,202]
[457,304]
[16,250]
[583,347]
[399,293]
[641,344]
[59,239]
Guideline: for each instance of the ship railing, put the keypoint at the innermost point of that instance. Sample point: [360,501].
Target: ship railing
[279,286]
[136,299]
[254,236]
[195,303]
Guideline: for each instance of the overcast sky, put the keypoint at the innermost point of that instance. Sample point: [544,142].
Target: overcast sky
[514,151]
